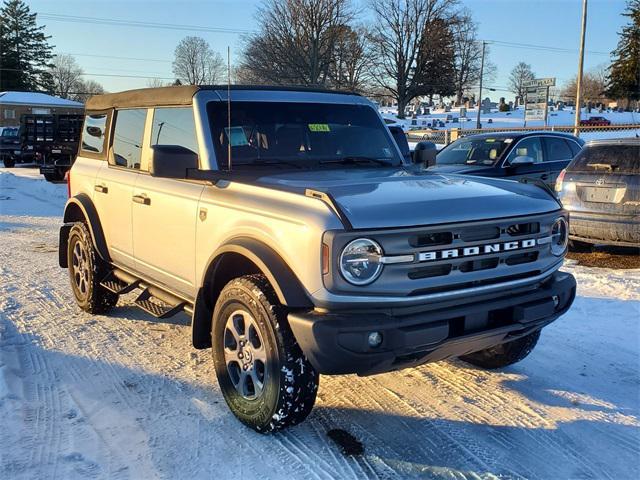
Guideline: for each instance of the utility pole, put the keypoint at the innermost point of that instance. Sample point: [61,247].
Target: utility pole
[478,126]
[576,123]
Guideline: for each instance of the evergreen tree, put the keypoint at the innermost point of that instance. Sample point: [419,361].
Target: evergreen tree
[25,53]
[624,72]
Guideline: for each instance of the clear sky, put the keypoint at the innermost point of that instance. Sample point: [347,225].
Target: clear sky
[552,23]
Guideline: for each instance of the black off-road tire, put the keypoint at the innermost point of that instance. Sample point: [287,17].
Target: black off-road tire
[56,176]
[581,247]
[290,383]
[85,275]
[9,162]
[504,354]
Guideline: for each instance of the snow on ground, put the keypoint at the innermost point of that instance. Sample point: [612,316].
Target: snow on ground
[516,119]
[125,396]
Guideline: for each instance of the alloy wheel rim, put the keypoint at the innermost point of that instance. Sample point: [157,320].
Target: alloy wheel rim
[81,270]
[245,354]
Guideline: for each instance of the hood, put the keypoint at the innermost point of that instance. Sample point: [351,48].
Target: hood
[465,170]
[387,198]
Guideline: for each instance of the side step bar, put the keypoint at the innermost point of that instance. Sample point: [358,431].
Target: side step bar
[119,282]
[153,300]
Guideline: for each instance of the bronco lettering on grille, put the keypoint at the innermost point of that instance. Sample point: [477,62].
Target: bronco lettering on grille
[476,250]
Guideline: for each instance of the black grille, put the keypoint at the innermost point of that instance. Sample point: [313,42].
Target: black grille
[432,271]
[479,233]
[431,239]
[521,258]
[523,229]
[475,265]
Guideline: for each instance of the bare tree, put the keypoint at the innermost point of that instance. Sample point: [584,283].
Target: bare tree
[594,85]
[66,74]
[296,42]
[348,70]
[468,54]
[196,63]
[155,82]
[87,88]
[399,42]
[518,78]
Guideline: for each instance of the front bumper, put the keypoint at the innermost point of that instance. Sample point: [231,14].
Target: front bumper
[336,342]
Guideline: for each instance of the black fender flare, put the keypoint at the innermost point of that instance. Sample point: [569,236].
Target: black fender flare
[286,285]
[77,208]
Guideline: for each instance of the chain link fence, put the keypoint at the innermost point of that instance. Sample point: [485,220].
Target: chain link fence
[445,137]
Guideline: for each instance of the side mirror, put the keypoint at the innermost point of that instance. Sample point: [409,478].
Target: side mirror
[425,154]
[522,160]
[171,161]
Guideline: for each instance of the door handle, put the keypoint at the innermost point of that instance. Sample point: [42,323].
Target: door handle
[101,188]
[142,199]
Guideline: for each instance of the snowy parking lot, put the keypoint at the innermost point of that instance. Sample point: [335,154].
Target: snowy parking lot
[125,396]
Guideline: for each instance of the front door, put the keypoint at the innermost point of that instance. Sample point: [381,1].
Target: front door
[165,210]
[530,147]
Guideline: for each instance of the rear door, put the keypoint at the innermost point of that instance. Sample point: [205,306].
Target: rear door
[165,210]
[113,187]
[557,156]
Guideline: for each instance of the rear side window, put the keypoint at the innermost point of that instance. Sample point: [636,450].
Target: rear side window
[575,148]
[94,133]
[608,158]
[557,149]
[127,137]
[174,126]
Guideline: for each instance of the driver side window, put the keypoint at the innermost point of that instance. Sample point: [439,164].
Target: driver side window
[528,147]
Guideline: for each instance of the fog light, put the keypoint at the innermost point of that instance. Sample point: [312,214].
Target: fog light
[375,339]
[556,301]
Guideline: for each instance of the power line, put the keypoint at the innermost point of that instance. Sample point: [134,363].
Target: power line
[115,57]
[544,48]
[134,23]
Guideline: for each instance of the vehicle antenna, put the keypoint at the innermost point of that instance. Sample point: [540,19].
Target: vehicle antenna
[229,107]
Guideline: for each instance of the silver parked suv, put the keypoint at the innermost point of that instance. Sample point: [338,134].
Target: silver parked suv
[301,242]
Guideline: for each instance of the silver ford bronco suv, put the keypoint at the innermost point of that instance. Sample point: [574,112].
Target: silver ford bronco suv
[302,239]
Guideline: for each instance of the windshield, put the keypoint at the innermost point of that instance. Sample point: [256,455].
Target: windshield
[474,152]
[10,132]
[300,135]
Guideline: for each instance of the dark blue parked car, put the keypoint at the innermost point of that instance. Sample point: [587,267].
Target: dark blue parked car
[535,155]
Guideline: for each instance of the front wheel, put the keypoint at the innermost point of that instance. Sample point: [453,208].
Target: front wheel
[504,354]
[9,162]
[264,377]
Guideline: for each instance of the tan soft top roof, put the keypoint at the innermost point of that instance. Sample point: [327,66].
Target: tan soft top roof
[144,97]
[183,95]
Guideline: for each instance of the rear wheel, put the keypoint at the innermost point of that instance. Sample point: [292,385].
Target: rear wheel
[504,354]
[9,162]
[264,377]
[86,269]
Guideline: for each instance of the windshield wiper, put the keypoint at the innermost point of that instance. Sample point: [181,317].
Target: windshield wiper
[358,159]
[269,163]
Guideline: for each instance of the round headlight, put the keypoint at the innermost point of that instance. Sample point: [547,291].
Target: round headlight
[360,261]
[559,236]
